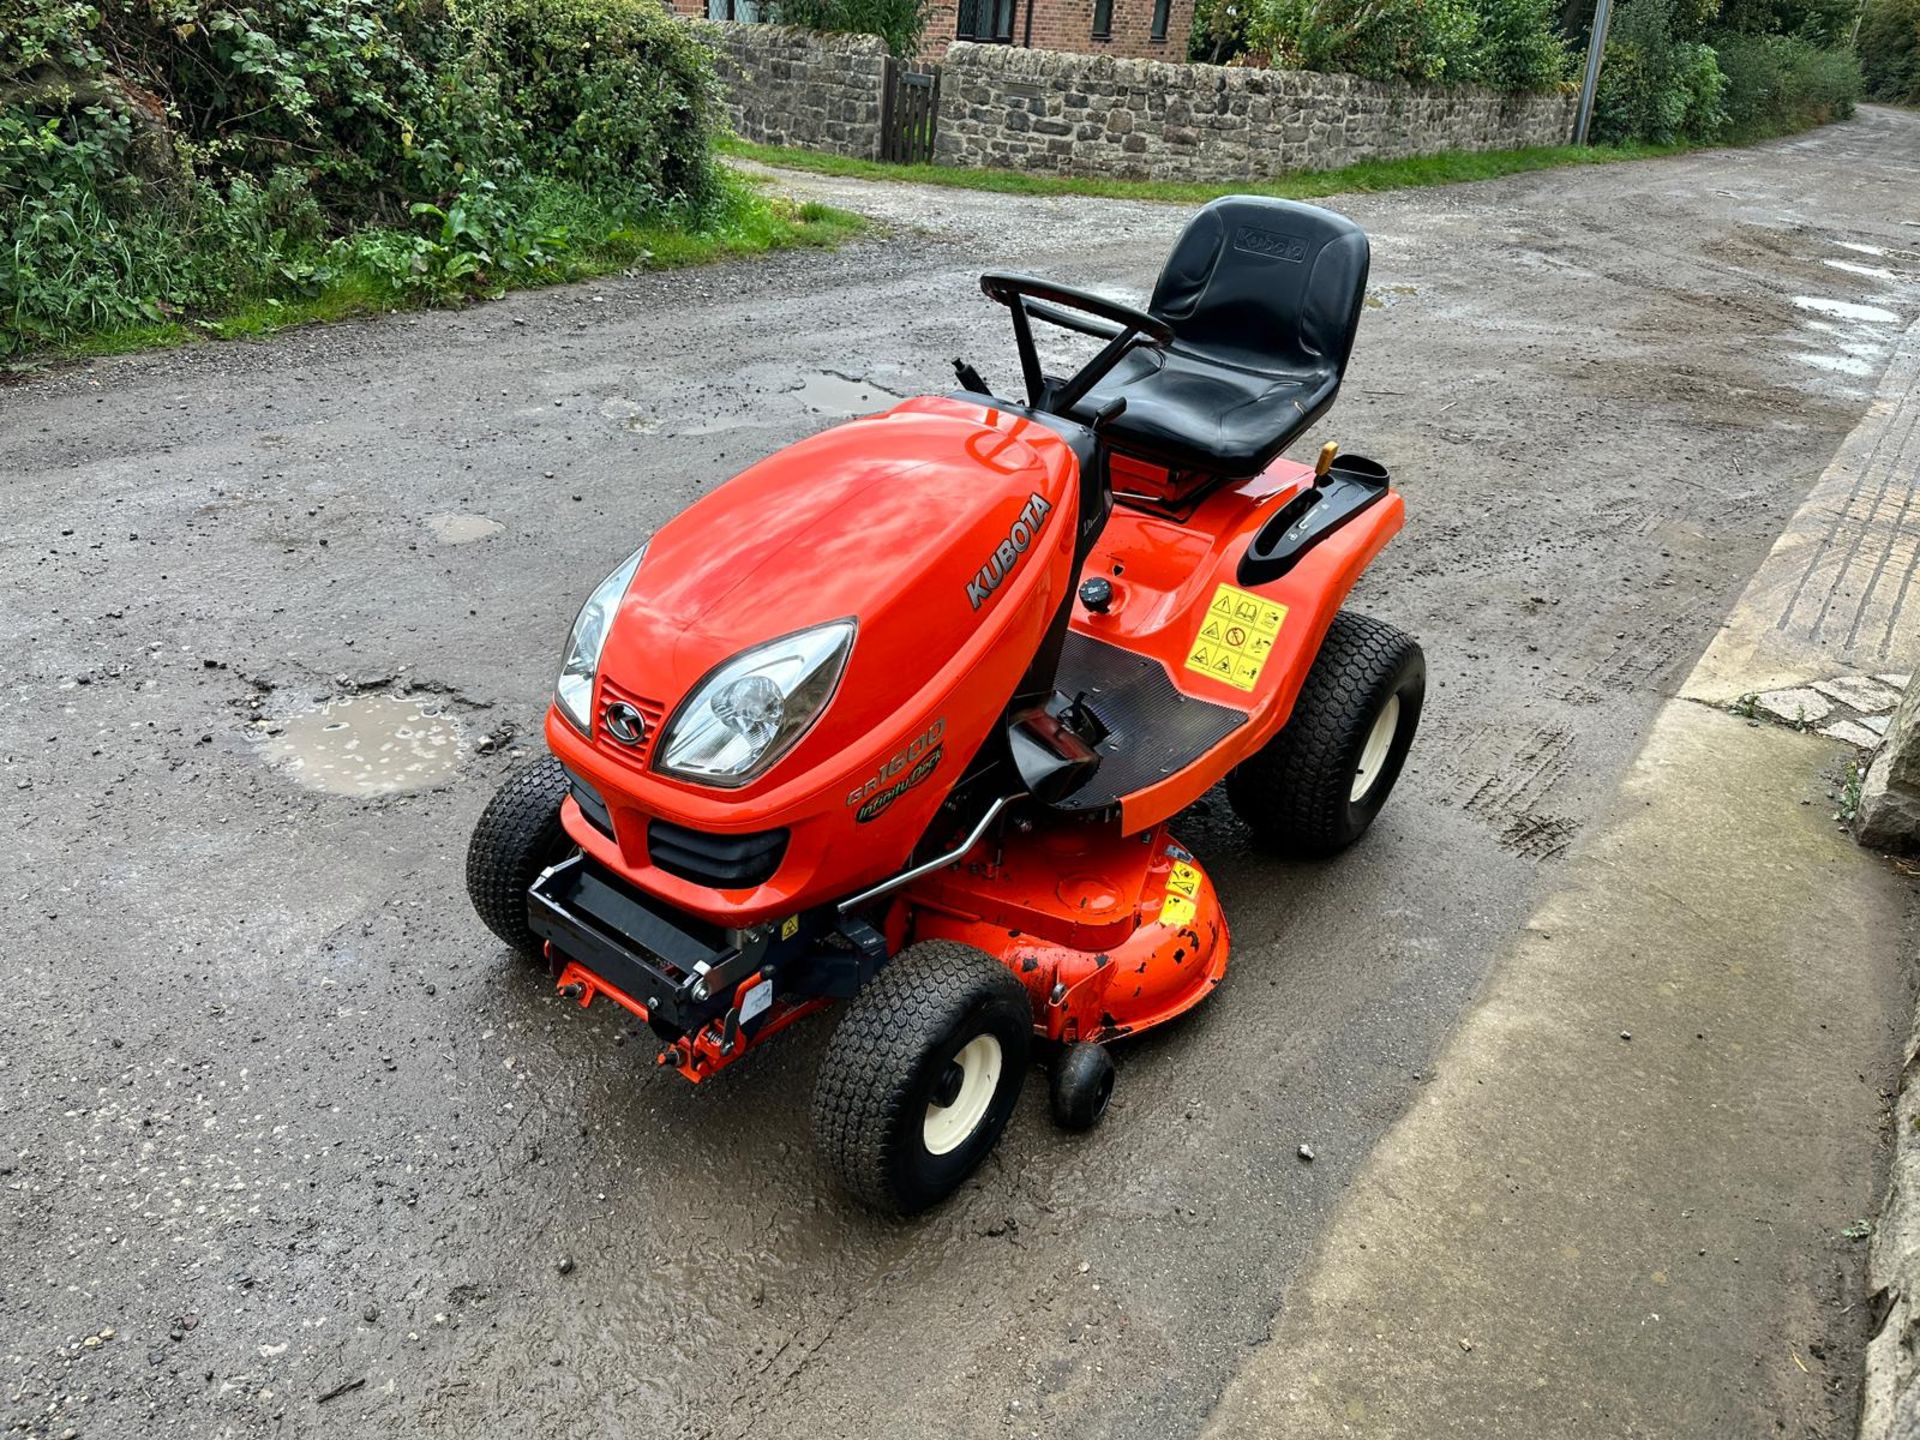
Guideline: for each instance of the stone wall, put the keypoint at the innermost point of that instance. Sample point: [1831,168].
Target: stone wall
[1095,115]
[798,87]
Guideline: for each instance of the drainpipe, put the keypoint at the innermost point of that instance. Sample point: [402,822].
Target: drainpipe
[1596,46]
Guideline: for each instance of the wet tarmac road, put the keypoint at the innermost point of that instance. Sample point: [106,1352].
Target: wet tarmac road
[279,1118]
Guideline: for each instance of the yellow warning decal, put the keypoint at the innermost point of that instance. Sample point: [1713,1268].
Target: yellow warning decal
[1183,888]
[1236,636]
[790,927]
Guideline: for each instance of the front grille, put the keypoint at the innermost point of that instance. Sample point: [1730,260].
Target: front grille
[726,862]
[652,711]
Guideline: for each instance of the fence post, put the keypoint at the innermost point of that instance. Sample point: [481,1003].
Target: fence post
[933,115]
[884,141]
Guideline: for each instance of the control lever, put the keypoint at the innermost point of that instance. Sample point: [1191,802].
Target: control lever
[969,378]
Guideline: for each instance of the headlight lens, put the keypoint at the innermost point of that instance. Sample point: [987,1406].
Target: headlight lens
[750,711]
[573,691]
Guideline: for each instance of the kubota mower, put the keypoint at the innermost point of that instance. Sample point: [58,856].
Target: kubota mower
[899,716]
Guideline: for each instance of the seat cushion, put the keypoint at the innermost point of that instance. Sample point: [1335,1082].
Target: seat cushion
[1190,412]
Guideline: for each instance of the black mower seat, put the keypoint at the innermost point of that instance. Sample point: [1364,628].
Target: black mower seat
[1263,297]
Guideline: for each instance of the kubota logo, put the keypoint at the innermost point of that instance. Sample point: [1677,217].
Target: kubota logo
[1007,553]
[624,723]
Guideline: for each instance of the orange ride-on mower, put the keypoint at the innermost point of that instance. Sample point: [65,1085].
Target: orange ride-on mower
[898,717]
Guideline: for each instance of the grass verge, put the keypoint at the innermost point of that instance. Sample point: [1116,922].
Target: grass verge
[598,242]
[1448,169]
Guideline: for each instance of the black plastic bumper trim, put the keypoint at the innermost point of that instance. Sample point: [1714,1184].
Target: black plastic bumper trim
[591,805]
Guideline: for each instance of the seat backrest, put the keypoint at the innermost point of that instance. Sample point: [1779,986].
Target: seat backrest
[1265,283]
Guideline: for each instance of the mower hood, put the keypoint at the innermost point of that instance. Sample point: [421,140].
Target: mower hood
[928,526]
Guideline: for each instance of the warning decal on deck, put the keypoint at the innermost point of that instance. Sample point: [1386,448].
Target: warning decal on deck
[1236,635]
[1183,888]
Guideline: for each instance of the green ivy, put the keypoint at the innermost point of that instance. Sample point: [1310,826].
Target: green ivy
[1512,45]
[1889,47]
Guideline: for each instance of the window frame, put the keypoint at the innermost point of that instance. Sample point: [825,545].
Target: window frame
[993,10]
[1162,21]
[1103,19]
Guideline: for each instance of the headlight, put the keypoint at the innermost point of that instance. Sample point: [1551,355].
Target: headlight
[573,691]
[750,711]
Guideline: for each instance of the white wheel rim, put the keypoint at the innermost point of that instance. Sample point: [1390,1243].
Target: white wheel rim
[948,1127]
[1373,755]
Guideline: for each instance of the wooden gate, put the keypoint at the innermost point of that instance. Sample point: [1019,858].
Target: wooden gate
[910,114]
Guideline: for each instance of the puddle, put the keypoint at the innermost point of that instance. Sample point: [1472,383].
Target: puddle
[716,425]
[458,529]
[1385,297]
[1846,309]
[1837,364]
[1872,272]
[368,745]
[630,414]
[831,394]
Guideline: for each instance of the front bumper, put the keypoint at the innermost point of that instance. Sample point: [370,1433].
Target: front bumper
[682,970]
[688,977]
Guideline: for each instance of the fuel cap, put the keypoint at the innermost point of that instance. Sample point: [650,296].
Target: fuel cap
[1096,593]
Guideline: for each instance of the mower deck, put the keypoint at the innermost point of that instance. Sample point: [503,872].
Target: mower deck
[1109,934]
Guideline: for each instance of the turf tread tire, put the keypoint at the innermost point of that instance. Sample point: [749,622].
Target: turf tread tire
[517,836]
[1295,792]
[867,1080]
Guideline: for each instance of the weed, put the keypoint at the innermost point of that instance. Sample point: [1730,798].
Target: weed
[1369,175]
[1850,792]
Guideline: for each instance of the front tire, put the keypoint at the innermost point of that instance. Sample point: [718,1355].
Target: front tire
[518,835]
[922,1075]
[1080,1086]
[1314,788]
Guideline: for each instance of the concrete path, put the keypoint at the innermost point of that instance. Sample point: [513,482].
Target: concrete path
[1839,592]
[1632,1200]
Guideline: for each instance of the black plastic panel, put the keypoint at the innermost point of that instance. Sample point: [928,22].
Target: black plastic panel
[1353,485]
[726,862]
[591,805]
[1154,730]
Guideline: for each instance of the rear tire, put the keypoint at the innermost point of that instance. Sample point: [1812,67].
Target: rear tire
[921,1075]
[518,835]
[1314,788]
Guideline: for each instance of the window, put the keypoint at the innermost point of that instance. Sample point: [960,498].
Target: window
[1103,19]
[990,21]
[1160,15]
[746,12]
